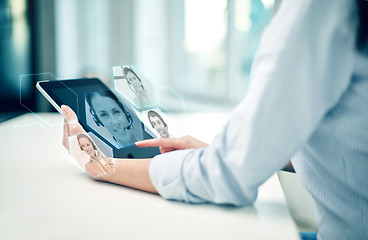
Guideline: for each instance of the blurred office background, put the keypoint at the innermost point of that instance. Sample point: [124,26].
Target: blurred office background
[201,50]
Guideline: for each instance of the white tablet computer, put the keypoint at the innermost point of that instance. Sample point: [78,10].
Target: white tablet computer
[103,113]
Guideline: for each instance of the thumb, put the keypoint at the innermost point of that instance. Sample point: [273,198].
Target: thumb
[72,120]
[69,114]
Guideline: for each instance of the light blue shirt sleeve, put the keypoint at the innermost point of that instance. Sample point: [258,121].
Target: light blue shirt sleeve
[304,65]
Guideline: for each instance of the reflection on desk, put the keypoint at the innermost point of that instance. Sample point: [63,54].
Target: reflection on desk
[45,196]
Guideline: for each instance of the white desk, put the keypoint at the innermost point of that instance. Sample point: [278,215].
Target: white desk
[44,196]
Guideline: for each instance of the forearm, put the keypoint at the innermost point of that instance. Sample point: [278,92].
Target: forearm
[132,173]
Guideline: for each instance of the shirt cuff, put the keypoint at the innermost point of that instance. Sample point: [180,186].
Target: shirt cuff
[166,174]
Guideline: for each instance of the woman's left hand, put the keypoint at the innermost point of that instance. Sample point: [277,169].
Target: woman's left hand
[71,125]
[132,173]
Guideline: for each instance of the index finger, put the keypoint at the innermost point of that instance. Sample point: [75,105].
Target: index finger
[157,142]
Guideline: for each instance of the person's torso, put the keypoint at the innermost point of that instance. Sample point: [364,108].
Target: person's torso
[333,164]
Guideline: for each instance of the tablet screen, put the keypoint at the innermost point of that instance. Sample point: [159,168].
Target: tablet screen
[104,113]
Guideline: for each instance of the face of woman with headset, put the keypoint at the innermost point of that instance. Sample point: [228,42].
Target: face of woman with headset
[134,82]
[113,118]
[86,146]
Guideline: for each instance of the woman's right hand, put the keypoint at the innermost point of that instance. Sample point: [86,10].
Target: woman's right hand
[172,144]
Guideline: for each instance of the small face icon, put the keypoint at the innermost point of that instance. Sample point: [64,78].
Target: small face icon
[86,146]
[113,118]
[159,126]
[134,82]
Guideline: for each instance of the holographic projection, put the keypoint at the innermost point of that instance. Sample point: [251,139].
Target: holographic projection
[113,119]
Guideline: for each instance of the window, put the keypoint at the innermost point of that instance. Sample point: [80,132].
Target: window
[15,55]
[92,36]
[203,49]
[213,45]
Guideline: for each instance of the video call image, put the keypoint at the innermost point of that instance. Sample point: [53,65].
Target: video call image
[157,123]
[134,86]
[108,116]
[84,151]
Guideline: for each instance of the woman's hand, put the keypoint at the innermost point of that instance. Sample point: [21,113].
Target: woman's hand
[132,173]
[71,125]
[172,144]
